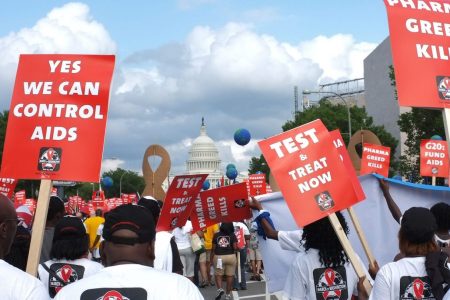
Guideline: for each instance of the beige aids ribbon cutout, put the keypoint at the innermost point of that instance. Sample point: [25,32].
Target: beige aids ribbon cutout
[360,137]
[155,178]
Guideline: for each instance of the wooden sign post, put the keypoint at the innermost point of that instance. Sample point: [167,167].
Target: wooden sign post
[362,236]
[359,269]
[39,226]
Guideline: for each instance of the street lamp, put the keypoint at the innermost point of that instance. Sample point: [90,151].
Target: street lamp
[120,184]
[308,92]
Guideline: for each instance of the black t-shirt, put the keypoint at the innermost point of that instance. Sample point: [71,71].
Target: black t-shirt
[177,265]
[224,243]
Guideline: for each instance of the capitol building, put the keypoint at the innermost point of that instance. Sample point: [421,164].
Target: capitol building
[204,158]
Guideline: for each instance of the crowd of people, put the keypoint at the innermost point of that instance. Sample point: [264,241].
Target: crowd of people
[121,256]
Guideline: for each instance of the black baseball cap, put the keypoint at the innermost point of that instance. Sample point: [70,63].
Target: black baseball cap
[130,217]
[69,228]
[418,225]
[151,204]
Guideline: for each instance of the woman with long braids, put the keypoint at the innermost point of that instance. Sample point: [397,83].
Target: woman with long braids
[323,271]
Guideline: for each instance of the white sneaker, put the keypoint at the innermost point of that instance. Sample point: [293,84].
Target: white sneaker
[228,297]
[220,292]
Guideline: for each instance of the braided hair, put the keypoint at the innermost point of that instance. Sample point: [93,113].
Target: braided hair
[320,235]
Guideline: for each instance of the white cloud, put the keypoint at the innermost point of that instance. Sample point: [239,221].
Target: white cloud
[111,164]
[67,29]
[233,76]
[188,4]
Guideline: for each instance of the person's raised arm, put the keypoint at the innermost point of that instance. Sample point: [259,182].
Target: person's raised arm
[268,230]
[393,208]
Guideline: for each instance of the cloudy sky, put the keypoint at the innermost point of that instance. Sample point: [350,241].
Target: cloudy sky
[234,62]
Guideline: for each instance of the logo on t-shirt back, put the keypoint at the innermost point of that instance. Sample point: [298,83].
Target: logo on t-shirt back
[66,272]
[415,288]
[330,283]
[114,294]
[223,241]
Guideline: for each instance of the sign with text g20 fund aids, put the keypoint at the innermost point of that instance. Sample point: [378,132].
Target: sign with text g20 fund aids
[309,172]
[57,118]
[434,158]
[420,42]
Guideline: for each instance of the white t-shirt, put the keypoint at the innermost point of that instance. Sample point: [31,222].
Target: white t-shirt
[18,285]
[96,252]
[308,279]
[290,240]
[68,270]
[131,281]
[163,251]
[446,296]
[404,279]
[183,235]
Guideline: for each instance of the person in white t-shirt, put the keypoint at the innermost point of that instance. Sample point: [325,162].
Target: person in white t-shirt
[323,271]
[183,239]
[68,256]
[128,253]
[14,283]
[407,278]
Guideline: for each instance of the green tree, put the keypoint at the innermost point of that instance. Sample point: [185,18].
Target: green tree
[418,124]
[335,116]
[131,182]
[259,165]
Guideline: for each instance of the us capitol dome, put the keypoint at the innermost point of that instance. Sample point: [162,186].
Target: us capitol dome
[204,158]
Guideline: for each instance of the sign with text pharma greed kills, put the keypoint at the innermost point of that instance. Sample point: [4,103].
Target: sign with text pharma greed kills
[339,143]
[375,159]
[225,204]
[311,175]
[257,184]
[57,117]
[7,186]
[434,158]
[420,42]
[179,201]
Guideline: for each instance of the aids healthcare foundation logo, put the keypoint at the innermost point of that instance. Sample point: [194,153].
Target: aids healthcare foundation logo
[443,85]
[66,272]
[324,201]
[330,283]
[414,288]
[49,159]
[114,294]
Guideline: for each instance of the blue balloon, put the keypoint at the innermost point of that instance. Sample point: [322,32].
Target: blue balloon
[230,166]
[437,137]
[107,182]
[206,185]
[232,173]
[242,136]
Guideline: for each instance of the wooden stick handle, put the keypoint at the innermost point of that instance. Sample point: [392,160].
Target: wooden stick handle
[40,219]
[349,251]
[433,180]
[362,236]
[446,117]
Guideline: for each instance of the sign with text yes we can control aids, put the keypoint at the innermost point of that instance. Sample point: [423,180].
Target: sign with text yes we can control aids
[57,117]
[309,172]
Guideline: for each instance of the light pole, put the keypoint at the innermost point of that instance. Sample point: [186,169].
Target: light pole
[308,92]
[120,183]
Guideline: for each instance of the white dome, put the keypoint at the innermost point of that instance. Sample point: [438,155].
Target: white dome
[204,157]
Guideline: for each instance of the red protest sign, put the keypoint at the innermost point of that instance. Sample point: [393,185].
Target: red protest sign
[339,143]
[419,35]
[19,198]
[57,118]
[257,184]
[434,159]
[239,232]
[375,159]
[309,172]
[179,201]
[225,204]
[7,186]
